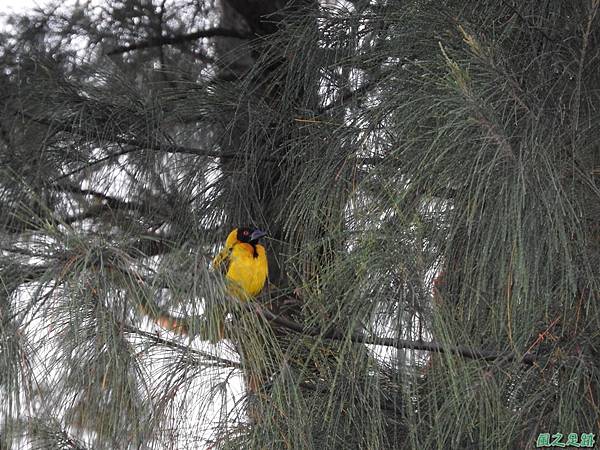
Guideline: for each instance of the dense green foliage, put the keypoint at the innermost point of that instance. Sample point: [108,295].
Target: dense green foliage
[382,144]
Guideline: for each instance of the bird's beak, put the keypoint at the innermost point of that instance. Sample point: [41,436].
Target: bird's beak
[256,235]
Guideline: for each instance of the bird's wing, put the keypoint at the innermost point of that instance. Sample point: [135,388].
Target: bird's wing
[221,261]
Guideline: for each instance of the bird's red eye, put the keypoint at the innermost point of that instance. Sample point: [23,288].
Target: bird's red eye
[245,233]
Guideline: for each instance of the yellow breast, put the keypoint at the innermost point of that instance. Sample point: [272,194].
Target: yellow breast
[248,273]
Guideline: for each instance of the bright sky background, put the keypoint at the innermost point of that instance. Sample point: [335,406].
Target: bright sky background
[8,6]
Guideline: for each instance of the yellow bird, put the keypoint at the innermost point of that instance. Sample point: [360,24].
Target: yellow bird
[245,264]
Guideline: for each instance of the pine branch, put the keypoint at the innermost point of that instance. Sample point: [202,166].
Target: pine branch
[135,146]
[180,39]
[223,362]
[184,325]
[154,245]
[527,21]
[337,335]
[349,96]
[167,148]
[156,207]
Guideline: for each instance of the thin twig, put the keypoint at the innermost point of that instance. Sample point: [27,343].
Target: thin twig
[175,345]
[526,21]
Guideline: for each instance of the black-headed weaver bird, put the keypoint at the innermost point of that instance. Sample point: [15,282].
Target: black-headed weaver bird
[246,268]
[244,262]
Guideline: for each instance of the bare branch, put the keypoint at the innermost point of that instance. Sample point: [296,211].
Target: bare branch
[180,39]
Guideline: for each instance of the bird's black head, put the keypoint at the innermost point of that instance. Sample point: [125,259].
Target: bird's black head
[250,235]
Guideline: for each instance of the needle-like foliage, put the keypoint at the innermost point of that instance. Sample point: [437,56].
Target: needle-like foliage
[428,173]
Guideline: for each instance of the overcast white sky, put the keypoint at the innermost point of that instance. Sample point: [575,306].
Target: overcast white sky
[7,6]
